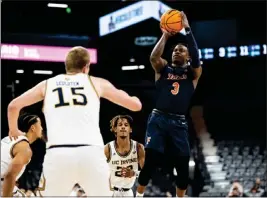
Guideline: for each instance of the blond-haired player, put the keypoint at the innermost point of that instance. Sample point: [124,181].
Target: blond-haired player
[75,147]
[16,154]
[123,156]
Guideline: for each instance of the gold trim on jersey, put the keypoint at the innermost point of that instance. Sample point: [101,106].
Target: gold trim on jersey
[44,95]
[37,193]
[20,192]
[91,82]
[42,188]
[11,149]
[73,74]
[110,186]
[131,148]
[110,153]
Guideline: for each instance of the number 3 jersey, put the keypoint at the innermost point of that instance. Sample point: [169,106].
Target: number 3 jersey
[116,162]
[174,90]
[71,109]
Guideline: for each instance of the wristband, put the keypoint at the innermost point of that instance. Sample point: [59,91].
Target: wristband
[192,48]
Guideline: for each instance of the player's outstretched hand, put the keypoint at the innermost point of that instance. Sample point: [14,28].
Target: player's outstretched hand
[15,133]
[127,172]
[185,22]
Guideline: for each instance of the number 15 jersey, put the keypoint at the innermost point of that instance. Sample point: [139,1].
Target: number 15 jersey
[71,109]
[117,161]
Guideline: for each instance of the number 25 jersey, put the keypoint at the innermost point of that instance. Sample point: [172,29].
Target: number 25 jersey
[116,162]
[71,109]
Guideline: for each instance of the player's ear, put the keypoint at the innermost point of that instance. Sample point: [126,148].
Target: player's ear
[85,69]
[32,127]
[115,129]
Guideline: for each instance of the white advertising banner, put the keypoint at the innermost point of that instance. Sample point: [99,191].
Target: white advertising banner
[131,15]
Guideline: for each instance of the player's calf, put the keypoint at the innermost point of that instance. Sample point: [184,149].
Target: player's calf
[182,181]
[151,163]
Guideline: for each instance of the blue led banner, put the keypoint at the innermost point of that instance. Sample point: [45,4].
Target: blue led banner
[233,51]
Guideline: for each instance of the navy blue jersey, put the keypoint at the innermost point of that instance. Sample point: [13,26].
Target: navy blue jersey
[174,90]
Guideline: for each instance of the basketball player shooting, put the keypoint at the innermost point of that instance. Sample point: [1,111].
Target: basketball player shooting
[123,156]
[71,107]
[16,154]
[167,125]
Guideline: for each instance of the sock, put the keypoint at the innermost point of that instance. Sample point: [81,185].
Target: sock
[139,194]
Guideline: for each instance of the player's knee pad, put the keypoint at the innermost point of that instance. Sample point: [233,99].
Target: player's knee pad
[182,168]
[151,163]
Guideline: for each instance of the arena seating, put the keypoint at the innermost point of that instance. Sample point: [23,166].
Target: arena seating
[233,161]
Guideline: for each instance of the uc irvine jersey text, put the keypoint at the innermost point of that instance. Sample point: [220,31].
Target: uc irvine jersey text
[116,162]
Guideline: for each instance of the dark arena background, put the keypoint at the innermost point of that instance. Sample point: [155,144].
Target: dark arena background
[227,114]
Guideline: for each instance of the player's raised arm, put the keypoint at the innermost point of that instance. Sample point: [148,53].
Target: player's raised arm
[22,154]
[119,97]
[156,61]
[192,48]
[28,98]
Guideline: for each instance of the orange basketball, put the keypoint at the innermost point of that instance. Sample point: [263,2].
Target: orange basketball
[171,21]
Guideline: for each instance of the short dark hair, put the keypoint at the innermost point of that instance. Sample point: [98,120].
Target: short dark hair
[77,58]
[183,44]
[26,120]
[114,121]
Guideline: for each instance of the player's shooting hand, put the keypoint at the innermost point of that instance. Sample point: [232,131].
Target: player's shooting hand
[185,22]
[127,172]
[166,33]
[15,133]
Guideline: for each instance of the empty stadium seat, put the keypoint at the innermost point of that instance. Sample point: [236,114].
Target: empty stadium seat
[239,161]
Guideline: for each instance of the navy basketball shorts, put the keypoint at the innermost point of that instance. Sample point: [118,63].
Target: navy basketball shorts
[167,133]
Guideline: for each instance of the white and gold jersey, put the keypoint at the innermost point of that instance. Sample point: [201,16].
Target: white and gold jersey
[71,109]
[116,162]
[6,154]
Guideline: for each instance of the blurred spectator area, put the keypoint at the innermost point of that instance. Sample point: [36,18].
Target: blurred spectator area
[225,162]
